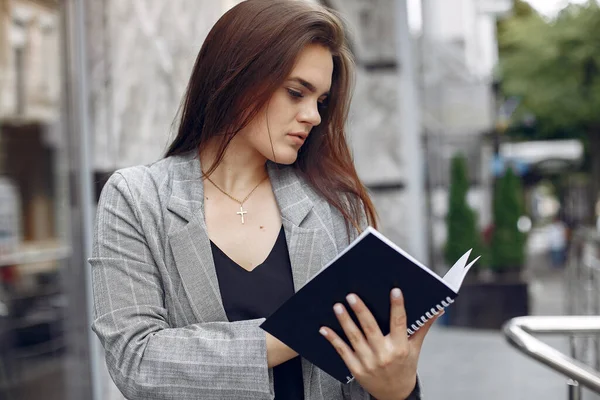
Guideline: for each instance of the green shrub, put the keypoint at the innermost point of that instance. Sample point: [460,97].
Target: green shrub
[461,221]
[507,248]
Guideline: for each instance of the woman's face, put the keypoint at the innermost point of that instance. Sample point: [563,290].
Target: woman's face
[294,109]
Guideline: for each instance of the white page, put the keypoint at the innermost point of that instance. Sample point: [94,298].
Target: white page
[455,276]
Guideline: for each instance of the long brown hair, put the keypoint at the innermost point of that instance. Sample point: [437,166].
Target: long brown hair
[245,58]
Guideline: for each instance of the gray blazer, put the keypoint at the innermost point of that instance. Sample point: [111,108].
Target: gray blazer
[158,308]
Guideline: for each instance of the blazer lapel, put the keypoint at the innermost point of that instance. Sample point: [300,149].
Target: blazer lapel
[303,237]
[190,243]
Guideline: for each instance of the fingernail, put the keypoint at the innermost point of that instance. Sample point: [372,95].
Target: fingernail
[351,299]
[338,309]
[323,331]
[396,293]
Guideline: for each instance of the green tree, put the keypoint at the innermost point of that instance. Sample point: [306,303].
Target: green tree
[521,9]
[461,220]
[507,248]
[553,67]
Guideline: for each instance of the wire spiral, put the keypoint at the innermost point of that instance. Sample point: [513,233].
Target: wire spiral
[428,315]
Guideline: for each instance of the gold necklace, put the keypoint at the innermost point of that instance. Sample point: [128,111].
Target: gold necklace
[242,212]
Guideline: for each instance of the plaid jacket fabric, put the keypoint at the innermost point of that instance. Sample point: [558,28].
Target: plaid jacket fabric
[158,309]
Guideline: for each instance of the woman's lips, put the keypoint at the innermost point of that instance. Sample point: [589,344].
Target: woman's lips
[299,137]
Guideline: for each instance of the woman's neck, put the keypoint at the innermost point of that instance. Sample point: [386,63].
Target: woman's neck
[240,169]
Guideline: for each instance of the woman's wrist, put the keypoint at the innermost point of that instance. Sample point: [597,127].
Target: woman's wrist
[278,352]
[414,394]
[406,393]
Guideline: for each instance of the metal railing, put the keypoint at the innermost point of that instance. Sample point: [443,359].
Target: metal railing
[518,332]
[582,325]
[583,291]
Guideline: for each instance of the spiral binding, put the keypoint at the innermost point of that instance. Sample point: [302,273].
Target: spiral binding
[428,315]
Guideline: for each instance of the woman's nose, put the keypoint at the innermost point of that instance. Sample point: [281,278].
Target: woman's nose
[310,114]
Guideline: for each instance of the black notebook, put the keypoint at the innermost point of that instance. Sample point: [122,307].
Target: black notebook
[371,266]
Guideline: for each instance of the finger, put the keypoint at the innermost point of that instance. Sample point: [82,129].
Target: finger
[353,333]
[418,338]
[349,357]
[368,324]
[398,318]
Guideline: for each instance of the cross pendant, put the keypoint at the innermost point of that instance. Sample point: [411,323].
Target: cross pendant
[242,212]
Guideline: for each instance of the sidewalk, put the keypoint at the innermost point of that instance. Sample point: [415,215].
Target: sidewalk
[458,364]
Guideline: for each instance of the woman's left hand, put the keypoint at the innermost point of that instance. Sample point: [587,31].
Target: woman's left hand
[385,366]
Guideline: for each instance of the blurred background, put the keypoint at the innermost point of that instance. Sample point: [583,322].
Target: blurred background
[475,124]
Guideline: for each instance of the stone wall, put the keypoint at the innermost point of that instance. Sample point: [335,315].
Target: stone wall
[374,123]
[141,54]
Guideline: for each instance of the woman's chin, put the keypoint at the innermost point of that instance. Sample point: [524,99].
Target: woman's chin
[286,157]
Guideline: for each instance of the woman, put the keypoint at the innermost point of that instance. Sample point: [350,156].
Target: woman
[256,193]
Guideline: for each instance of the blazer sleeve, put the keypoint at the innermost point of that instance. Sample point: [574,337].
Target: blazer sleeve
[147,358]
[353,391]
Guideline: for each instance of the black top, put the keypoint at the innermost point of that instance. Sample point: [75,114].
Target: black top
[257,294]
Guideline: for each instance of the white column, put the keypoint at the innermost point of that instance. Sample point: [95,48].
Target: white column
[429,12]
[6,59]
[79,147]
[409,108]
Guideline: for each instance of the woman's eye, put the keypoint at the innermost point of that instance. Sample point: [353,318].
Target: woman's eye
[295,93]
[322,104]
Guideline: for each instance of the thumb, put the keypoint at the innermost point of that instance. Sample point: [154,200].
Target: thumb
[418,337]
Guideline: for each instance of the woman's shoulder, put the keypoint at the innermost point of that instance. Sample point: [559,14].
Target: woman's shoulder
[147,180]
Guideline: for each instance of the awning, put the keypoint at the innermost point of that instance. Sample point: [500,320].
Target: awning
[546,157]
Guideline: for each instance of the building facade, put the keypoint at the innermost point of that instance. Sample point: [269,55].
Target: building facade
[140,54]
[459,54]
[30,82]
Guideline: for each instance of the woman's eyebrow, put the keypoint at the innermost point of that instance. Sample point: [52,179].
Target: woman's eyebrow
[307,85]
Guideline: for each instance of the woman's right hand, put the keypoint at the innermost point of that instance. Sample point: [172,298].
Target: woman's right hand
[278,352]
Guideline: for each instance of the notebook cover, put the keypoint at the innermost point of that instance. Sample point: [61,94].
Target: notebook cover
[371,269]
